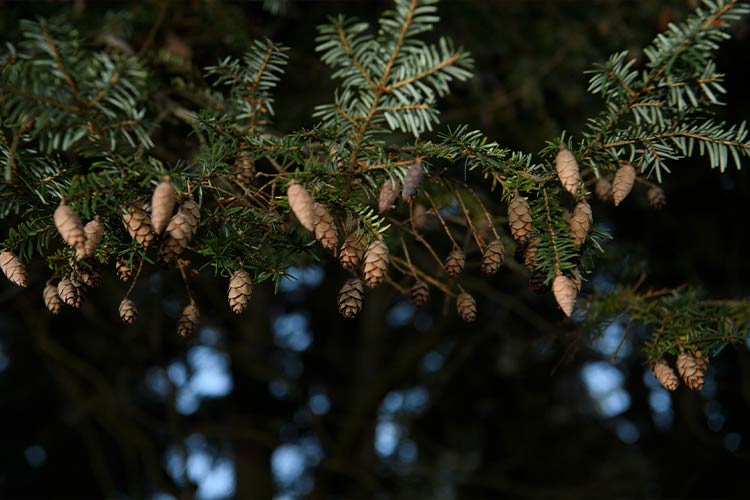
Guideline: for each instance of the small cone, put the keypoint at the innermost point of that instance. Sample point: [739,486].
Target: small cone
[350,298]
[124,272]
[13,268]
[180,230]
[138,224]
[691,370]
[302,205]
[388,195]
[493,257]
[665,375]
[466,307]
[162,205]
[90,277]
[567,170]
[128,311]
[325,228]
[412,179]
[623,183]
[69,226]
[244,168]
[537,283]
[189,207]
[51,299]
[519,219]
[188,320]
[656,197]
[529,254]
[419,293]
[603,190]
[580,222]
[454,263]
[352,251]
[240,290]
[69,293]
[376,263]
[94,231]
[419,216]
[565,293]
[701,361]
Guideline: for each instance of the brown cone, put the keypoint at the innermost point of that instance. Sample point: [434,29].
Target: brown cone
[419,293]
[51,299]
[493,257]
[388,194]
[124,272]
[138,224]
[181,228]
[162,205]
[412,179]
[580,222]
[665,375]
[302,205]
[188,320]
[189,207]
[244,168]
[454,263]
[623,183]
[656,197]
[603,190]
[94,231]
[376,263]
[13,268]
[567,170]
[69,293]
[519,219]
[90,277]
[240,290]
[565,293]
[691,370]
[128,311]
[325,228]
[529,254]
[69,226]
[352,251]
[350,298]
[466,307]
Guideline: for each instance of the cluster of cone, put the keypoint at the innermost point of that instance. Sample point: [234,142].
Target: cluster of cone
[691,368]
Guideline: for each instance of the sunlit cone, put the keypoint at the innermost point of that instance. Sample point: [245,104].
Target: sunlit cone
[90,277]
[412,179]
[325,228]
[352,251]
[419,293]
[537,283]
[350,298]
[51,299]
[244,168]
[389,192]
[419,216]
[240,290]
[691,370]
[128,311]
[69,293]
[565,293]
[123,270]
[567,169]
[138,224]
[623,183]
[69,226]
[493,257]
[603,190]
[519,219]
[701,360]
[656,197]
[454,262]
[665,375]
[94,231]
[466,307]
[375,263]
[162,205]
[529,254]
[13,268]
[188,320]
[180,230]
[580,222]
[301,204]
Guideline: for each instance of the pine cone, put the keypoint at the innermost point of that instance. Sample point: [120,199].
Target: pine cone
[350,298]
[419,293]
[580,222]
[419,216]
[376,263]
[90,277]
[565,293]
[69,293]
[537,283]
[529,254]
[124,272]
[13,268]
[623,183]
[128,311]
[138,224]
[567,169]
[656,197]
[466,307]
[665,375]
[51,299]
[493,257]
[94,231]
[603,190]
[240,290]
[702,362]
[691,370]
[182,226]
[325,228]
[412,179]
[244,168]
[69,226]
[189,207]
[162,205]
[301,204]
[519,219]
[454,263]
[188,320]
[388,194]
[352,251]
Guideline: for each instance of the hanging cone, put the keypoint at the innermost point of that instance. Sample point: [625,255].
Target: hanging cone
[124,272]
[493,257]
[188,320]
[51,299]
[350,298]
[665,375]
[565,293]
[301,204]
[519,219]
[94,231]
[181,228]
[412,179]
[325,228]
[162,205]
[603,190]
[537,283]
[419,216]
[580,222]
[529,254]
[623,183]
[388,195]
[466,307]
[128,311]
[69,293]
[419,293]
[69,226]
[691,370]
[656,197]
[189,207]
[567,170]
[90,278]
[138,224]
[240,290]
[454,262]
[13,268]
[352,251]
[376,263]
[244,168]
[701,361]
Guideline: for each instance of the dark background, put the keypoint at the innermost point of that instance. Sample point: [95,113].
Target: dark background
[292,401]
